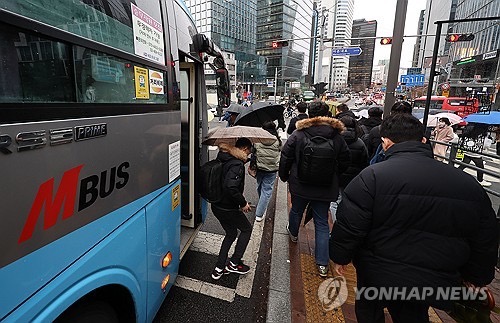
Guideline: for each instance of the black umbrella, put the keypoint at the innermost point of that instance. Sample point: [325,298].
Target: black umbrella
[259,112]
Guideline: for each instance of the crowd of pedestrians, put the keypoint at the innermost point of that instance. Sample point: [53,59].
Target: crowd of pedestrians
[400,215]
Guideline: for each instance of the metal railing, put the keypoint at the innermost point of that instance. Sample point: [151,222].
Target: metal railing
[451,160]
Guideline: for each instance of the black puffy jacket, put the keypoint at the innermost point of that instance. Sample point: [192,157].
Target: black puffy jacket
[293,147]
[234,177]
[359,156]
[412,221]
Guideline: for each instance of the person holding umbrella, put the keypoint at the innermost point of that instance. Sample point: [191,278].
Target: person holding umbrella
[443,132]
[231,208]
[235,144]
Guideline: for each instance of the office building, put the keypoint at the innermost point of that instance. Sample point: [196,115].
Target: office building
[475,67]
[360,67]
[418,43]
[285,20]
[231,25]
[338,26]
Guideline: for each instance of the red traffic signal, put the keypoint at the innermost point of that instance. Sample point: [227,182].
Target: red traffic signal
[386,41]
[452,38]
[280,43]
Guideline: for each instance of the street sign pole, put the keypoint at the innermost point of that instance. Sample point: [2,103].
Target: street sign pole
[397,45]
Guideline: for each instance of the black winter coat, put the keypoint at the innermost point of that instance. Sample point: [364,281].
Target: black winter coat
[293,147]
[234,177]
[413,221]
[293,121]
[348,113]
[359,157]
[374,141]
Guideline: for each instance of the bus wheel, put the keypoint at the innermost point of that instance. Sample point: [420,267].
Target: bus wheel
[89,312]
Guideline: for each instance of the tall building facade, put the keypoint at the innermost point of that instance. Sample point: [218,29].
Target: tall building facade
[418,43]
[232,26]
[475,64]
[285,20]
[360,67]
[338,27]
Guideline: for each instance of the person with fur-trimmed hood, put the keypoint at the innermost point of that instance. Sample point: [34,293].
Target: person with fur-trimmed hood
[229,210]
[317,196]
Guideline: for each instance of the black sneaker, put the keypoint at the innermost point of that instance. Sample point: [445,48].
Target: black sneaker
[217,273]
[241,268]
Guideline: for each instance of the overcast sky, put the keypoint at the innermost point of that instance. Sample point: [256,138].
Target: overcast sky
[383,11]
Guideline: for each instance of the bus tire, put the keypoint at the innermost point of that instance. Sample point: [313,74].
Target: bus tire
[89,312]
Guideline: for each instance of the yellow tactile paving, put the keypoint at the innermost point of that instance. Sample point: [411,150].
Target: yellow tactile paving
[314,310]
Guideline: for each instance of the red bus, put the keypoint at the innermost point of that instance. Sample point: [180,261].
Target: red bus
[458,105]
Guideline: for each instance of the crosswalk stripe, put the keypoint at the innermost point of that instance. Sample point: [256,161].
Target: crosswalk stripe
[198,286]
[210,243]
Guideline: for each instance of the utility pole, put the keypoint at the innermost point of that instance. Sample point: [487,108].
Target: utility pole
[397,45]
[332,75]
[312,47]
[319,74]
[275,82]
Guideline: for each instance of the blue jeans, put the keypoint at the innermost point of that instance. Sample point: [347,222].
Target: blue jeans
[265,185]
[321,229]
[334,205]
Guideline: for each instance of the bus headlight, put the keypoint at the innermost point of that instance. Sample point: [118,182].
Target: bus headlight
[166,260]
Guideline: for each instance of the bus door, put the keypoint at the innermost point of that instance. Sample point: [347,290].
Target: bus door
[189,150]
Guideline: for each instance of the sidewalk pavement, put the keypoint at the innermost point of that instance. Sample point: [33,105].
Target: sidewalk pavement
[294,283]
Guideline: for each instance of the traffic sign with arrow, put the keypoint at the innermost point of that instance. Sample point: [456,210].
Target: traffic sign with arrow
[347,51]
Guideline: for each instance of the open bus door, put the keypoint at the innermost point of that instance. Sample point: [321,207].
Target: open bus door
[187,81]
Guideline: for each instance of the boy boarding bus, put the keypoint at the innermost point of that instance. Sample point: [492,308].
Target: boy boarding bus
[102,114]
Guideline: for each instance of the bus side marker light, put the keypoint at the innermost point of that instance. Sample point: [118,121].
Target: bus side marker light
[165,281]
[166,260]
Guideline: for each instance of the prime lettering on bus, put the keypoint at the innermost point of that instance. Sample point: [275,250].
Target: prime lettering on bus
[91,188]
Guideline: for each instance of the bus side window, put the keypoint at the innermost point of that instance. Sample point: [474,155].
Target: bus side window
[103,78]
[34,69]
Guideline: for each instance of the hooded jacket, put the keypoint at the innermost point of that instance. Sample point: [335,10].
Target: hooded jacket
[233,182]
[359,156]
[290,154]
[412,221]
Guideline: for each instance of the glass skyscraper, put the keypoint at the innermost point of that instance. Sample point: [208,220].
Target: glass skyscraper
[285,20]
[232,26]
[360,67]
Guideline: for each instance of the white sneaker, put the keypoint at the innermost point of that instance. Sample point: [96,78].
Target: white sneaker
[260,218]
[485,183]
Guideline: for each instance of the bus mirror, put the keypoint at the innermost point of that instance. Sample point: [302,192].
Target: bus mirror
[204,45]
[223,91]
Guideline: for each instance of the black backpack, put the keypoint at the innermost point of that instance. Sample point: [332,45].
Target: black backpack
[210,180]
[317,161]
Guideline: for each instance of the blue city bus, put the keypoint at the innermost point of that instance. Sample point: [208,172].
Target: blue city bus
[102,115]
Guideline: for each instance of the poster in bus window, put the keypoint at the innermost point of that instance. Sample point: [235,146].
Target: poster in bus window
[141,83]
[148,36]
[156,82]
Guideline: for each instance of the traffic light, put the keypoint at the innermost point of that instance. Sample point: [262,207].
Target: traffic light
[386,41]
[319,88]
[280,43]
[452,38]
